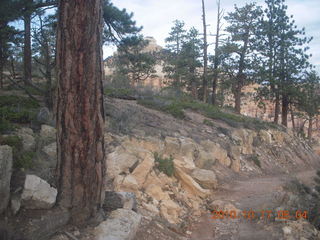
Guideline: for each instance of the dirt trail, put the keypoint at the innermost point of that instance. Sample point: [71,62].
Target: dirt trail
[251,194]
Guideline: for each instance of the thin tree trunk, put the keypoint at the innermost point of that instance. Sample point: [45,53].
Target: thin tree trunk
[216,57]
[80,114]
[276,108]
[27,75]
[292,118]
[285,110]
[1,75]
[310,129]
[205,55]
[237,97]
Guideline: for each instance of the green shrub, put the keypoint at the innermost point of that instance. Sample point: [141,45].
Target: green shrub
[208,122]
[124,93]
[16,109]
[13,141]
[164,165]
[18,102]
[255,158]
[6,126]
[24,160]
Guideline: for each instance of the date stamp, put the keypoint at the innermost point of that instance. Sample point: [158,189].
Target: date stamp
[262,214]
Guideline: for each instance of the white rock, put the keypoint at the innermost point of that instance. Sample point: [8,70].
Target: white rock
[37,193]
[51,150]
[206,178]
[5,175]
[48,133]
[28,140]
[122,224]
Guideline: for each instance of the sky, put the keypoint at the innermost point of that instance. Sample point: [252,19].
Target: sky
[157,16]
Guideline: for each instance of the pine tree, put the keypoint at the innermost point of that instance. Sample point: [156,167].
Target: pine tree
[284,58]
[133,61]
[172,55]
[242,24]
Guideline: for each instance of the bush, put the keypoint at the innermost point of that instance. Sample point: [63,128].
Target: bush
[208,122]
[254,158]
[6,126]
[16,109]
[164,165]
[21,159]
[123,93]
[24,160]
[18,102]
[13,141]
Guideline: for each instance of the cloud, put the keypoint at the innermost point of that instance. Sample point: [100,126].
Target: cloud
[156,17]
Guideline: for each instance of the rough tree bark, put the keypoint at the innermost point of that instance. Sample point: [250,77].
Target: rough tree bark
[80,114]
[205,55]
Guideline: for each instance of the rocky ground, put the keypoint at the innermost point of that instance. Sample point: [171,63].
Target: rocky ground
[215,167]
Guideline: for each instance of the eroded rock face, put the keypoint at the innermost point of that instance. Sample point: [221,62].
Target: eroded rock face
[122,224]
[189,184]
[5,175]
[37,193]
[51,150]
[47,134]
[114,200]
[119,161]
[28,140]
[206,178]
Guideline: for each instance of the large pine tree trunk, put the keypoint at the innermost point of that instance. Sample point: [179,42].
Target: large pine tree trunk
[27,50]
[80,115]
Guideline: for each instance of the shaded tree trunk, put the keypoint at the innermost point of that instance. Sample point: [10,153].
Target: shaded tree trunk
[276,108]
[205,55]
[27,49]
[80,114]
[310,129]
[292,118]
[285,110]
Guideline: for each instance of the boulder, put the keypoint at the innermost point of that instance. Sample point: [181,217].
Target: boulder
[143,169]
[171,146]
[44,116]
[265,136]
[5,175]
[126,184]
[204,159]
[156,192]
[217,152]
[37,193]
[119,161]
[206,178]
[122,224]
[15,203]
[170,210]
[51,150]
[244,138]
[114,200]
[189,184]
[48,134]
[28,140]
